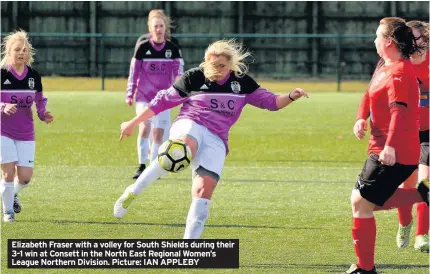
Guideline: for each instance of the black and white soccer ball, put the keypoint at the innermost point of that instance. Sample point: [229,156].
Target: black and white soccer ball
[174,155]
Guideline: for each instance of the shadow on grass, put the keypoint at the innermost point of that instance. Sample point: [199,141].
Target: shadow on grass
[332,268]
[168,225]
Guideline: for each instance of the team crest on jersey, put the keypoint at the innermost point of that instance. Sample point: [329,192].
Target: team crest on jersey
[31,83]
[168,53]
[235,87]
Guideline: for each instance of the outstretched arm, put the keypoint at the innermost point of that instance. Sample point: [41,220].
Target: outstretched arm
[262,98]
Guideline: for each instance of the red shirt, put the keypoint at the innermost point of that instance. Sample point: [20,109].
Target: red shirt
[422,72]
[394,107]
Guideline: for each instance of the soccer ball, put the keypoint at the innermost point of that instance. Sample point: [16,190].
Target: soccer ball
[174,155]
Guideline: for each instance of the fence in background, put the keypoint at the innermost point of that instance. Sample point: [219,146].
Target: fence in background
[276,59]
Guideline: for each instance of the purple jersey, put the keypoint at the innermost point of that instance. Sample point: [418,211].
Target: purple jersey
[21,90]
[214,105]
[152,69]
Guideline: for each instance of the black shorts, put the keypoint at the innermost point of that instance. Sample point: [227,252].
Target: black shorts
[424,154]
[378,182]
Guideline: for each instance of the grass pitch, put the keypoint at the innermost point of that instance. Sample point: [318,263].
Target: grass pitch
[284,191]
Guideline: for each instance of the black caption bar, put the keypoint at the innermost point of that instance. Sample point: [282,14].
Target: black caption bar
[130,253]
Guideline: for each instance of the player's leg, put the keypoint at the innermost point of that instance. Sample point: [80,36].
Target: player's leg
[142,140]
[161,124]
[375,185]
[9,158]
[422,239]
[183,129]
[207,168]
[405,214]
[26,154]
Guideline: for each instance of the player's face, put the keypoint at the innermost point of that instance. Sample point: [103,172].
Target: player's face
[19,53]
[381,40]
[221,65]
[418,37]
[420,55]
[157,30]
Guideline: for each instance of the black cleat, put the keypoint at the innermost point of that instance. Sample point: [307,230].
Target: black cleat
[354,269]
[423,189]
[16,204]
[139,171]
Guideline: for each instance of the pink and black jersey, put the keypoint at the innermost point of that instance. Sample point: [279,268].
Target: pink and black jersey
[214,105]
[21,90]
[153,68]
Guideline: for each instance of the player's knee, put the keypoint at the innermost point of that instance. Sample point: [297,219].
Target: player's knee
[192,144]
[204,183]
[359,204]
[157,135]
[8,172]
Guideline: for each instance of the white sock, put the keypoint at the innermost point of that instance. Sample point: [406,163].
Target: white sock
[152,173]
[154,151]
[197,215]
[7,194]
[142,149]
[18,187]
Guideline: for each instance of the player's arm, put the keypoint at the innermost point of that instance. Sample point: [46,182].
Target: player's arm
[262,98]
[363,112]
[135,70]
[398,104]
[41,102]
[165,99]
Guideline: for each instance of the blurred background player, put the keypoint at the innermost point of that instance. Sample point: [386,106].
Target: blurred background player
[21,85]
[394,142]
[168,36]
[155,65]
[420,60]
[213,96]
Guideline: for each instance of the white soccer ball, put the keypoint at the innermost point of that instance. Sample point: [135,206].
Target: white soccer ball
[174,155]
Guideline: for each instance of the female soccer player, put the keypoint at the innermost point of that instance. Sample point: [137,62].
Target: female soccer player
[420,60]
[21,85]
[213,96]
[155,65]
[394,151]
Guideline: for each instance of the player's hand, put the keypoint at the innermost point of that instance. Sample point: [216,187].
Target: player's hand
[129,102]
[126,129]
[388,156]
[360,128]
[298,93]
[10,109]
[48,117]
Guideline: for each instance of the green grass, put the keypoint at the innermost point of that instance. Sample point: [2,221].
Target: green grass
[284,191]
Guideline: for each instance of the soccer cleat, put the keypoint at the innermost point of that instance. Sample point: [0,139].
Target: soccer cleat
[16,204]
[403,235]
[354,269]
[422,243]
[423,189]
[123,202]
[9,217]
[139,171]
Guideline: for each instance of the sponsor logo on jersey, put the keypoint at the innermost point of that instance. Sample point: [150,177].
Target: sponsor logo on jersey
[31,83]
[235,87]
[7,82]
[148,52]
[204,87]
[168,53]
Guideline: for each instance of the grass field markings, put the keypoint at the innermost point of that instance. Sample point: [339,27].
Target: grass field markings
[67,222]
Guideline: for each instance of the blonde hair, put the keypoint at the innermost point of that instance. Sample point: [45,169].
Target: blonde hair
[159,14]
[422,27]
[233,51]
[8,41]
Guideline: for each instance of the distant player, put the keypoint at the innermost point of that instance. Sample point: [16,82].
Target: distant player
[155,65]
[168,36]
[392,99]
[21,85]
[420,60]
[212,97]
